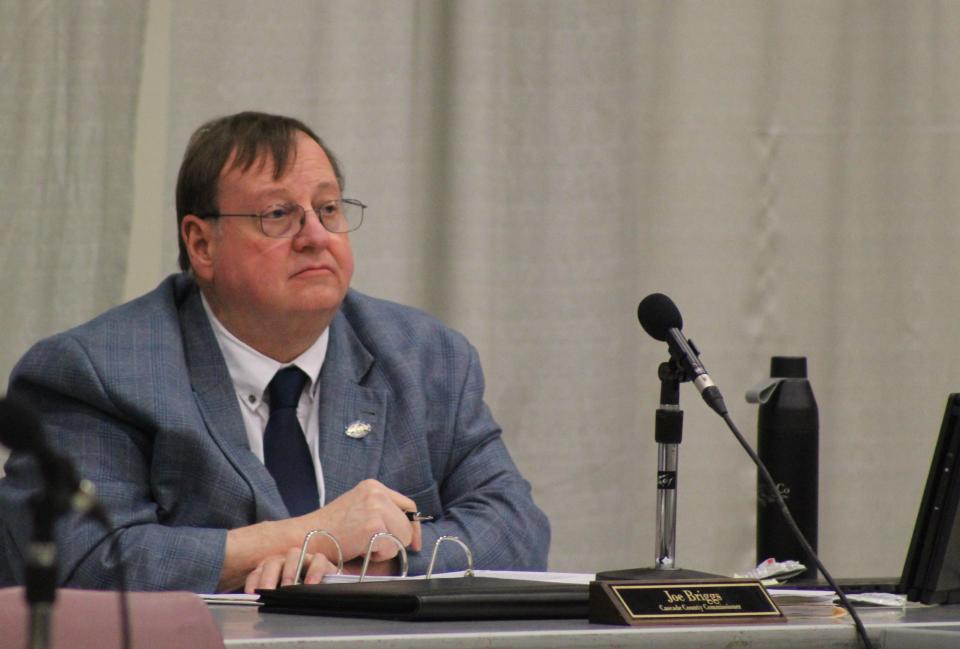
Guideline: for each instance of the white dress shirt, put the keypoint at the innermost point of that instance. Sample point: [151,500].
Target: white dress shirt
[251,373]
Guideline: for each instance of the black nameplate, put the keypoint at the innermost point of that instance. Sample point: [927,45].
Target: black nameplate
[644,602]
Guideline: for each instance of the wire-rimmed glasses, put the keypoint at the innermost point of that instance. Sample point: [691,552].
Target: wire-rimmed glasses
[285,220]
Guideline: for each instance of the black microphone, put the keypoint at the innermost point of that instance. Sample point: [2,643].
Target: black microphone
[20,430]
[661,318]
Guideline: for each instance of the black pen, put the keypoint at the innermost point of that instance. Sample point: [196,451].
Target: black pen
[418,516]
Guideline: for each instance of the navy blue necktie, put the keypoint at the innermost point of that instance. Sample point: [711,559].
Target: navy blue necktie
[285,450]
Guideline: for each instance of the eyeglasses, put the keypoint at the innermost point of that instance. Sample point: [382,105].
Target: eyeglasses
[285,221]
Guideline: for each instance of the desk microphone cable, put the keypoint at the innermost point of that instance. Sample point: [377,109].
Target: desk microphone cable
[85,502]
[772,485]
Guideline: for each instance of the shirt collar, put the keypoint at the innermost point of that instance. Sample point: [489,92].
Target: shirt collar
[252,371]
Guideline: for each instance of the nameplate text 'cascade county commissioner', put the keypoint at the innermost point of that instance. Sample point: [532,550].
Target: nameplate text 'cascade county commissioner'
[648,602]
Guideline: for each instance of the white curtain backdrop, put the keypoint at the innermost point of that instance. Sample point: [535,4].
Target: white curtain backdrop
[69,73]
[786,171]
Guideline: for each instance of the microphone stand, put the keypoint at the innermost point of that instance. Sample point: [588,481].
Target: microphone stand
[62,491]
[668,431]
[41,568]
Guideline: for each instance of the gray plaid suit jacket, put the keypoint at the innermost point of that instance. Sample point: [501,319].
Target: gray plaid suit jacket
[141,400]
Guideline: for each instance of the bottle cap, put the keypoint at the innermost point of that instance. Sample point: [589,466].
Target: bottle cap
[788,367]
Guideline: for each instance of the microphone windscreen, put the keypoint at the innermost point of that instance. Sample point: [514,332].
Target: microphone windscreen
[19,426]
[658,315]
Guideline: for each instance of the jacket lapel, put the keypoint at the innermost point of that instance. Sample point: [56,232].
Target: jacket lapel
[346,405]
[218,405]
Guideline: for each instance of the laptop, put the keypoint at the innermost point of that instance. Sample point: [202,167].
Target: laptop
[931,572]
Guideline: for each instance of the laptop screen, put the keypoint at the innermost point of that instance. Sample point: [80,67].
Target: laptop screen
[931,573]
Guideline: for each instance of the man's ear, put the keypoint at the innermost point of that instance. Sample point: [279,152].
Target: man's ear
[199,238]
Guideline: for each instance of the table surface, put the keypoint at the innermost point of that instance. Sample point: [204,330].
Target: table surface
[245,626]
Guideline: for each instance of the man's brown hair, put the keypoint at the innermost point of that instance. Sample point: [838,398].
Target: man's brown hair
[254,137]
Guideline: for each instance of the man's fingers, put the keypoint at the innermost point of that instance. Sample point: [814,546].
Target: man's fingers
[407,532]
[401,501]
[270,574]
[265,575]
[289,574]
[417,542]
[281,570]
[385,548]
[319,566]
[252,582]
[382,498]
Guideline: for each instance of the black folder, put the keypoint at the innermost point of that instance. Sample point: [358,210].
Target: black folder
[448,598]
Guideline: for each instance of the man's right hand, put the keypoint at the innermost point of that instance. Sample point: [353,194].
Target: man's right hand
[365,510]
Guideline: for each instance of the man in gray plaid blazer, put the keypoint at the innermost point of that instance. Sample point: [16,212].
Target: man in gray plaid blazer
[162,402]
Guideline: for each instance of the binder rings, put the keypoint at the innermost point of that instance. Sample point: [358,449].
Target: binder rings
[456,598]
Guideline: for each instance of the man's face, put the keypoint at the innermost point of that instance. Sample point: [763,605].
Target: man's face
[259,282]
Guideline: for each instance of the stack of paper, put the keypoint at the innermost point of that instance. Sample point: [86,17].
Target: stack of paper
[806,603]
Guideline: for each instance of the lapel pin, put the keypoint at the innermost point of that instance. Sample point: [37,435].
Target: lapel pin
[358,429]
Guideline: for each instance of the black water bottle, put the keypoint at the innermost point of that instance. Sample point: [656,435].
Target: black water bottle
[788,441]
